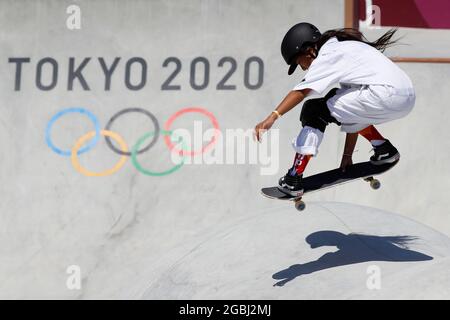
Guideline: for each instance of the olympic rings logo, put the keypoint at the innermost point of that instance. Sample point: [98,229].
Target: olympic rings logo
[90,139]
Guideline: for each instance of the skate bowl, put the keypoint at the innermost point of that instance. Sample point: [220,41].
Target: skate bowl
[327,252]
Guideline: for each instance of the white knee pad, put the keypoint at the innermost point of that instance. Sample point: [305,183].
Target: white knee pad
[308,141]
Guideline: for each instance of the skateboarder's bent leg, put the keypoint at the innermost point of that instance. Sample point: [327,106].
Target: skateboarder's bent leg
[315,116]
[372,135]
[385,152]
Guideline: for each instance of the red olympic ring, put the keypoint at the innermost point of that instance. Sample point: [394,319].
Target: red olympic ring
[172,118]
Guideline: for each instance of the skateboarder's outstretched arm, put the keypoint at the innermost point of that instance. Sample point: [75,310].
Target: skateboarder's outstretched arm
[289,102]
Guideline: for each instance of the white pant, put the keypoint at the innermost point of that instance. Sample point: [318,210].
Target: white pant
[358,107]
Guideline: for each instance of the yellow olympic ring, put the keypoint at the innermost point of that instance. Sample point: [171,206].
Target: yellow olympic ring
[89,135]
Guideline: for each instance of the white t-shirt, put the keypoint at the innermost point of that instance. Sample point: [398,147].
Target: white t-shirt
[352,63]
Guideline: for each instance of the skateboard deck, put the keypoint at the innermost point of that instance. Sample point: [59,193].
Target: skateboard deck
[331,178]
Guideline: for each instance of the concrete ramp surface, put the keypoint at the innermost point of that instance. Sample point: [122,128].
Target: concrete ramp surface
[331,251]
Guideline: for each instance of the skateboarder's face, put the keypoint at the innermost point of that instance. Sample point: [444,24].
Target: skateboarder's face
[305,59]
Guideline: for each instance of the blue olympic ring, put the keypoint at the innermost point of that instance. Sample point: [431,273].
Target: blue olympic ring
[91,143]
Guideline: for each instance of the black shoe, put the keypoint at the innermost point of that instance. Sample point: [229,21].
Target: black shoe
[291,185]
[385,153]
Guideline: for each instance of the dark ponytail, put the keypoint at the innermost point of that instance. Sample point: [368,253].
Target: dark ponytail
[346,34]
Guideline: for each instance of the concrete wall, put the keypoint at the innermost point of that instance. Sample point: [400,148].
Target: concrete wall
[52,216]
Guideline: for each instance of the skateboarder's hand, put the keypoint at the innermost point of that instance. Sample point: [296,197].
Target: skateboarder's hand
[263,126]
[346,161]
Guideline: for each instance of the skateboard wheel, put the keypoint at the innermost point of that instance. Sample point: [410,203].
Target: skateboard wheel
[375,184]
[300,205]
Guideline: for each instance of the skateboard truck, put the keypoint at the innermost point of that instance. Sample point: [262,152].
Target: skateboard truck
[374,183]
[299,204]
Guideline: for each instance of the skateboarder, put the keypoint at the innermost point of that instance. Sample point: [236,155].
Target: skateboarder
[373,90]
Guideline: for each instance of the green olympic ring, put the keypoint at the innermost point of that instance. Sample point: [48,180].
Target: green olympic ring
[138,166]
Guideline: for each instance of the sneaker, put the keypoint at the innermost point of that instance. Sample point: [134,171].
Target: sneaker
[385,153]
[291,185]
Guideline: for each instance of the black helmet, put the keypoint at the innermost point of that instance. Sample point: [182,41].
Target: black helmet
[295,40]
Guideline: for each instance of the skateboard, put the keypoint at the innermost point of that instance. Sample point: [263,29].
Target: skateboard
[332,178]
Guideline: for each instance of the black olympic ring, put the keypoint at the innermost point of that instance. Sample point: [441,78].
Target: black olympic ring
[139,110]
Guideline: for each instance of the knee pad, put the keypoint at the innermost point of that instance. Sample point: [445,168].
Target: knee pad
[315,113]
[312,114]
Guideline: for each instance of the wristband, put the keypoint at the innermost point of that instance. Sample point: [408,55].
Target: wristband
[277,113]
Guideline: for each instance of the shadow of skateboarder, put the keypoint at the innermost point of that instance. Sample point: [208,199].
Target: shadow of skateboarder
[353,248]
